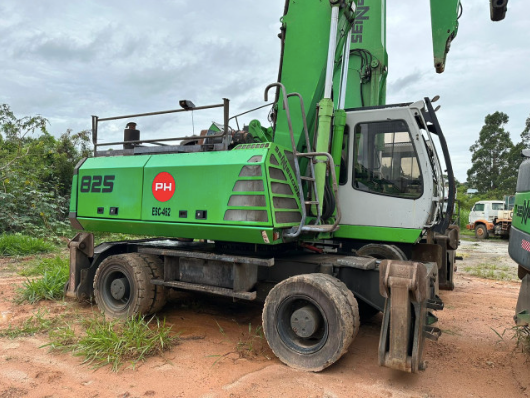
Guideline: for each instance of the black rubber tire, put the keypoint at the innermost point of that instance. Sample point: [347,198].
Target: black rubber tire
[382,252]
[157,271]
[481,232]
[337,312]
[133,292]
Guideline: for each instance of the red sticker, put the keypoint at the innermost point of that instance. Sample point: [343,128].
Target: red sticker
[163,187]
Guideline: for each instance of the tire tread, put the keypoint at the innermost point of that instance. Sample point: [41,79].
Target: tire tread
[342,299]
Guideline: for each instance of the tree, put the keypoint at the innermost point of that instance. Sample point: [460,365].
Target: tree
[17,132]
[525,135]
[35,174]
[493,157]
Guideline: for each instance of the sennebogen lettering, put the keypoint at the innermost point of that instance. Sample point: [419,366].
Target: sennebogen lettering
[358,25]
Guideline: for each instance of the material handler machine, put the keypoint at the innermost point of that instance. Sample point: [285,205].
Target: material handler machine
[333,213]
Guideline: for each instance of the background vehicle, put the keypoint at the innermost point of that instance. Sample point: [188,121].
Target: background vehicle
[301,229]
[519,246]
[491,217]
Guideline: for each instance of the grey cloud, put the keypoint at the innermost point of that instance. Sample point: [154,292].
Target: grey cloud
[59,47]
[68,60]
[402,83]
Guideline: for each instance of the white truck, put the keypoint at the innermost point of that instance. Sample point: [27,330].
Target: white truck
[491,217]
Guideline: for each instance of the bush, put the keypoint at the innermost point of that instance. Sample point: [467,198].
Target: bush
[35,174]
[464,219]
[35,210]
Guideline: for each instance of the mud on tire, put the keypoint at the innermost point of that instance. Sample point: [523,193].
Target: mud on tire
[122,286]
[481,232]
[332,321]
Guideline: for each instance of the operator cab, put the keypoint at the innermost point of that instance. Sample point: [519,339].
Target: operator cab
[392,181]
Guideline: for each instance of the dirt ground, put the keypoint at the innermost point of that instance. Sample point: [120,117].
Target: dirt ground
[469,360]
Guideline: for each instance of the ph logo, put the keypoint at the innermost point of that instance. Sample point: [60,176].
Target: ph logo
[163,187]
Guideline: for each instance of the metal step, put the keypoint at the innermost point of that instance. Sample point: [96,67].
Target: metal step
[431,333]
[220,291]
[435,304]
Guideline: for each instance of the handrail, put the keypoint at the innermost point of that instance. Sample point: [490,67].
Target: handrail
[96,120]
[296,165]
[310,155]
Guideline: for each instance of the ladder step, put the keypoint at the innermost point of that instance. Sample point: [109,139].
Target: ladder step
[311,202]
[220,291]
[307,178]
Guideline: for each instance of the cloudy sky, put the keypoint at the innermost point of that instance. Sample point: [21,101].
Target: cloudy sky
[69,60]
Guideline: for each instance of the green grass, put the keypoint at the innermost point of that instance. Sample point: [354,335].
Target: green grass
[39,322]
[251,343]
[23,245]
[114,342]
[491,271]
[464,220]
[519,333]
[39,266]
[522,337]
[467,232]
[49,278]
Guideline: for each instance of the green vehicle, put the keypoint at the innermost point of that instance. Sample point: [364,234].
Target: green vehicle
[519,246]
[332,214]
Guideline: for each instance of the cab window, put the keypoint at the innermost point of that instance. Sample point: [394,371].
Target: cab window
[385,161]
[478,207]
[497,206]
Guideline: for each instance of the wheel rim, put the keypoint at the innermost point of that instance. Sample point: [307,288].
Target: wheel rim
[116,290]
[301,324]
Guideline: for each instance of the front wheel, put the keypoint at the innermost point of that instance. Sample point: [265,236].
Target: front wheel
[310,320]
[481,232]
[122,285]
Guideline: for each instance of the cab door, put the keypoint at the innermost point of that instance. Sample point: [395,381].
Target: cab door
[477,212]
[388,190]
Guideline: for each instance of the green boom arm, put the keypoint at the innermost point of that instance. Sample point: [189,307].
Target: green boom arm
[444,21]
[305,37]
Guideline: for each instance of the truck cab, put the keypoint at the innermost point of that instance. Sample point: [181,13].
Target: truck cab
[483,217]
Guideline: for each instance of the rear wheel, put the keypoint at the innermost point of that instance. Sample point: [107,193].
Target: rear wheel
[310,320]
[122,286]
[382,252]
[481,232]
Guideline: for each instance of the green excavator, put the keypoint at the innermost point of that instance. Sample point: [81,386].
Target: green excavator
[333,213]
